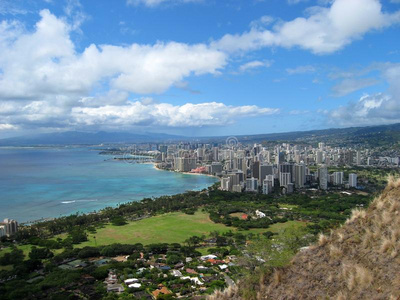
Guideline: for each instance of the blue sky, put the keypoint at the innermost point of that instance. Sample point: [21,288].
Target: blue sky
[198,67]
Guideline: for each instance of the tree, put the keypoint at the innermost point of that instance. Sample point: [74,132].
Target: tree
[118,221]
[40,253]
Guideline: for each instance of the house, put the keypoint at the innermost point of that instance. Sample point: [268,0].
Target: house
[134,286]
[223,267]
[195,280]
[122,258]
[102,262]
[165,268]
[161,290]
[206,257]
[202,268]
[131,280]
[215,261]
[117,288]
[260,214]
[179,265]
[191,271]
[176,273]
[112,278]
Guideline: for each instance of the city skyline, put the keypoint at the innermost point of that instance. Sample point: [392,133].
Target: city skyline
[198,68]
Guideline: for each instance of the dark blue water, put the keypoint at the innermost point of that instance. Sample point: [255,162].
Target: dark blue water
[40,183]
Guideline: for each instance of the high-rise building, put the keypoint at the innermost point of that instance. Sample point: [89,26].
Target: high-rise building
[279,158]
[200,153]
[287,168]
[185,164]
[225,184]
[353,180]
[338,178]
[268,184]
[216,168]
[266,170]
[300,175]
[323,177]
[2,230]
[252,184]
[358,158]
[319,157]
[285,179]
[9,227]
[256,170]
[215,153]
[163,149]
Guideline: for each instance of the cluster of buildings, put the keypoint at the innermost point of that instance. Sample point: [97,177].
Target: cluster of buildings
[8,227]
[255,168]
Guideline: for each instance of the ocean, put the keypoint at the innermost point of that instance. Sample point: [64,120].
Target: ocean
[38,183]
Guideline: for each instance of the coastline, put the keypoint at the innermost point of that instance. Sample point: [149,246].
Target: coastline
[186,173]
[114,186]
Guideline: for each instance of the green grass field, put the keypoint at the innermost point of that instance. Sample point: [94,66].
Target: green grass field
[25,248]
[166,228]
[280,227]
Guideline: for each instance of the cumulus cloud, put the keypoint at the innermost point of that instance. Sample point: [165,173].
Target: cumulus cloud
[153,3]
[325,29]
[46,83]
[43,62]
[164,114]
[381,108]
[369,110]
[254,65]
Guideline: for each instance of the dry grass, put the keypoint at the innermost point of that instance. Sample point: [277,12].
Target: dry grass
[356,261]
[322,240]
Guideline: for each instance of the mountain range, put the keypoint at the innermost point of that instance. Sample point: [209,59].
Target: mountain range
[382,135]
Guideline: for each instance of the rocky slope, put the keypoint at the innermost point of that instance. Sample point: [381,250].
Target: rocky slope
[359,260]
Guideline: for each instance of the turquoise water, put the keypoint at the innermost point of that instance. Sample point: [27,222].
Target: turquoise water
[40,183]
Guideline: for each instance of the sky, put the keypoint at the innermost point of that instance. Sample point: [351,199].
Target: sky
[198,67]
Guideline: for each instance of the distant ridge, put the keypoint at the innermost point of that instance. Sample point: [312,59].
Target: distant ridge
[381,135]
[360,260]
[87,138]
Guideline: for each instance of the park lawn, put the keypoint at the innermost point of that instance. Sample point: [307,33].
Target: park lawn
[25,248]
[280,227]
[167,228]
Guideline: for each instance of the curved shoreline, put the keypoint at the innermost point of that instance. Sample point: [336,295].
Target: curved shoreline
[186,173]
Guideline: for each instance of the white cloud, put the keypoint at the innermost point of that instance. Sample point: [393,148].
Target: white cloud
[164,114]
[301,70]
[261,22]
[373,109]
[7,127]
[254,65]
[46,83]
[369,110]
[153,3]
[325,30]
[348,86]
[44,62]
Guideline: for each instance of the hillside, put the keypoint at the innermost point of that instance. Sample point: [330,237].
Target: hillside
[386,136]
[360,260]
[86,138]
